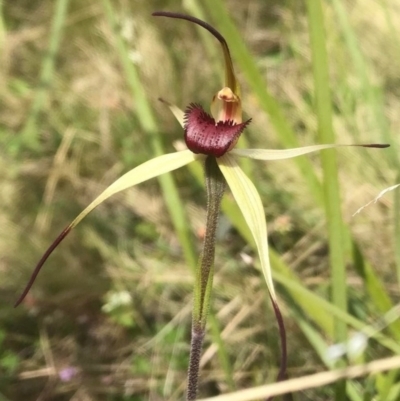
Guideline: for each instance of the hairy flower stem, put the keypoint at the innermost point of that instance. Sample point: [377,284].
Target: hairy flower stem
[215,187]
[196,345]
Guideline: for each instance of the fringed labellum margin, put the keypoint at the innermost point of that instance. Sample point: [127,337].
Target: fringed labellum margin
[204,135]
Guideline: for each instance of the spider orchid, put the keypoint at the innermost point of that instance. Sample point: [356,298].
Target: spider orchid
[211,139]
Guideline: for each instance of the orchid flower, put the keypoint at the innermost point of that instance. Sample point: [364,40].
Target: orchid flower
[210,138]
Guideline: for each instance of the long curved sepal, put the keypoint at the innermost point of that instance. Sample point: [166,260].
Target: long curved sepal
[281,154]
[250,204]
[176,111]
[150,169]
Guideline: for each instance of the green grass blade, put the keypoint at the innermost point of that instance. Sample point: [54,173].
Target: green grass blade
[385,383]
[149,125]
[394,392]
[2,28]
[29,135]
[391,24]
[213,52]
[376,290]
[329,163]
[396,217]
[369,93]
[332,200]
[311,308]
[334,312]
[373,98]
[222,352]
[320,346]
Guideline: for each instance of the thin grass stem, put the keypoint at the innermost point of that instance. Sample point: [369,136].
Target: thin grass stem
[371,94]
[29,135]
[323,106]
[148,124]
[222,352]
[396,219]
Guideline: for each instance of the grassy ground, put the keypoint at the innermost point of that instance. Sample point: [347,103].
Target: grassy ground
[109,317]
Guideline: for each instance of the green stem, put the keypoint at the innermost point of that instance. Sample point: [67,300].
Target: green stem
[196,345]
[215,186]
[397,228]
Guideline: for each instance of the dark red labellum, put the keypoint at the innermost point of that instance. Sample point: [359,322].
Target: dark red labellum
[204,135]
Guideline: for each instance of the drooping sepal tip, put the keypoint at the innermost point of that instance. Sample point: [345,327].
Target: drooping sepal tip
[41,262]
[145,171]
[376,145]
[282,336]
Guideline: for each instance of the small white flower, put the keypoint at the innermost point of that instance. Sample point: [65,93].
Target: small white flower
[335,352]
[353,348]
[357,345]
[116,300]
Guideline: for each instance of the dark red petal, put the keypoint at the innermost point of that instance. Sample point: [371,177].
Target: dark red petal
[204,135]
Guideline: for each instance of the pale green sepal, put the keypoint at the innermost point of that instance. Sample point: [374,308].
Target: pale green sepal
[178,113]
[175,110]
[280,154]
[249,202]
[150,169]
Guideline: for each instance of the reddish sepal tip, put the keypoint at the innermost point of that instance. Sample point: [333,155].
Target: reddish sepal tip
[204,135]
[41,262]
[377,145]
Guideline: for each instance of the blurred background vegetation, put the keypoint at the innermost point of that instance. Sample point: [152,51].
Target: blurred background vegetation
[109,316]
